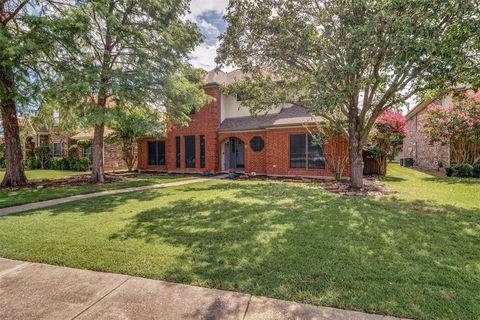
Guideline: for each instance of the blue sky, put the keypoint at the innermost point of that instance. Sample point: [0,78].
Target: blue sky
[208,15]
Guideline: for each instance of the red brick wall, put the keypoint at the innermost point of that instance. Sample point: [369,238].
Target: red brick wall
[278,154]
[254,161]
[113,158]
[273,160]
[204,122]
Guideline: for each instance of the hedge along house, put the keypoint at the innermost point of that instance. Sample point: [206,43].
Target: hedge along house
[223,135]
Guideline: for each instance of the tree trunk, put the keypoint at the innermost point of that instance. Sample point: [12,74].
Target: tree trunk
[355,147]
[98,171]
[15,172]
[356,166]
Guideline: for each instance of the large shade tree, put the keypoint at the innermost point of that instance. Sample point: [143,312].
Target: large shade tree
[29,31]
[356,58]
[131,53]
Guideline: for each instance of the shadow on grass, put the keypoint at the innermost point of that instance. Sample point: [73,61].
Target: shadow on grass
[454,181]
[391,179]
[102,204]
[412,259]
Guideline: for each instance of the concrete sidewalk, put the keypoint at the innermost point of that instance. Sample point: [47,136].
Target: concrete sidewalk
[39,291]
[49,203]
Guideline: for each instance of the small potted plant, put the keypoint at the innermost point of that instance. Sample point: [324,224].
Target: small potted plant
[231,173]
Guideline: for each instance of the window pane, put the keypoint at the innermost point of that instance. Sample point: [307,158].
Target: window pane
[316,159]
[161,153]
[257,144]
[202,151]
[177,151]
[189,151]
[152,153]
[298,150]
[57,149]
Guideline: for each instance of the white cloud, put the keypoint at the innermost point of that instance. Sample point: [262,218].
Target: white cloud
[197,7]
[204,55]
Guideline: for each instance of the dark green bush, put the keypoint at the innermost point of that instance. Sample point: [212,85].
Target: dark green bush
[449,171]
[78,164]
[57,163]
[476,170]
[2,163]
[463,170]
[42,154]
[32,163]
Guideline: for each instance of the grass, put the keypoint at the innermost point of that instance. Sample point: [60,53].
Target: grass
[405,255]
[10,198]
[35,175]
[414,185]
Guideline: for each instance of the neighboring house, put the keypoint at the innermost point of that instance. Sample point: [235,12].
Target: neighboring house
[59,144]
[222,135]
[416,145]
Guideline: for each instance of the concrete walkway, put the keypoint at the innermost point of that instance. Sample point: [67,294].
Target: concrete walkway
[49,203]
[39,291]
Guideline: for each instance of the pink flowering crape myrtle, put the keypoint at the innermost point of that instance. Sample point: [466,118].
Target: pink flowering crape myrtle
[458,125]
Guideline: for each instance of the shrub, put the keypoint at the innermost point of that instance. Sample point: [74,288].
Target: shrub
[463,170]
[476,170]
[32,163]
[73,151]
[42,154]
[449,171]
[57,163]
[78,164]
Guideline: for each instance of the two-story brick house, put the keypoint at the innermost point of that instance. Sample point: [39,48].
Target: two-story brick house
[223,135]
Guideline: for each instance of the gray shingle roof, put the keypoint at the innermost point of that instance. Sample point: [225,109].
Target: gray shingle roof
[291,116]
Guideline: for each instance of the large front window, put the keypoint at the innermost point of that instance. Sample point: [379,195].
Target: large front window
[56,149]
[305,153]
[156,153]
[189,151]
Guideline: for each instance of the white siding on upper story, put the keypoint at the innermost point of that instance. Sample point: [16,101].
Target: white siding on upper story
[231,108]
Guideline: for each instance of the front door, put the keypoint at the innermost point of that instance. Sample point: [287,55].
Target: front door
[236,150]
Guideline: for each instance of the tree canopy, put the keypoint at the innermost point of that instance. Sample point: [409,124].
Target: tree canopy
[130,53]
[29,33]
[353,58]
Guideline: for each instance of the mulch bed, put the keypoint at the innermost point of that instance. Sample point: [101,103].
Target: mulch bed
[67,182]
[83,180]
[371,185]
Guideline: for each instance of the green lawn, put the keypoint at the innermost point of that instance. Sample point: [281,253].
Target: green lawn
[415,185]
[413,255]
[10,198]
[46,174]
